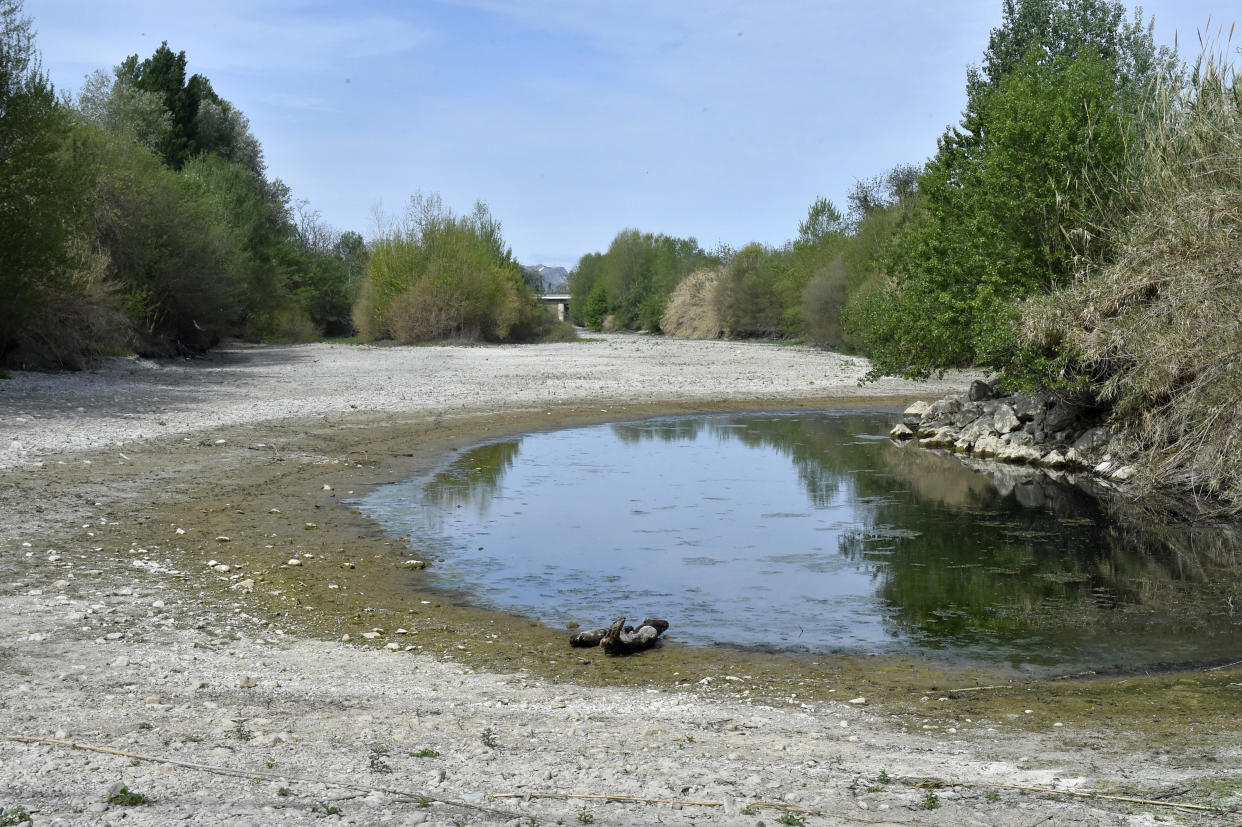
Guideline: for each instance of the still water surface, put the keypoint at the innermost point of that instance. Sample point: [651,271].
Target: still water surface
[814,532]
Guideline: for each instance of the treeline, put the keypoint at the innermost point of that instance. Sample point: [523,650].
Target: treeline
[1079,231]
[140,218]
[798,290]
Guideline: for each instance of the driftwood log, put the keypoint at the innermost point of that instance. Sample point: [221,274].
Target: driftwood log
[619,639]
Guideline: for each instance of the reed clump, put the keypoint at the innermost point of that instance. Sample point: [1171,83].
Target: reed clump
[1157,330]
[693,308]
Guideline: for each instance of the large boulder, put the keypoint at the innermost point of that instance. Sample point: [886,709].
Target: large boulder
[980,427]
[1020,454]
[914,414]
[942,438]
[1005,420]
[901,431]
[1030,408]
[988,446]
[1061,415]
[980,391]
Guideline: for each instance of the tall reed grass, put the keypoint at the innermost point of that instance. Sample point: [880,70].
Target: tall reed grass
[1158,329]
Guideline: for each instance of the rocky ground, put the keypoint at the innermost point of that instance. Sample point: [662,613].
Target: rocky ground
[229,697]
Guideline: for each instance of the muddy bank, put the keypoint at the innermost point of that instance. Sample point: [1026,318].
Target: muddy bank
[151,607]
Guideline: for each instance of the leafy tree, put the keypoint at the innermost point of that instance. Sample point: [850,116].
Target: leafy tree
[582,281]
[822,221]
[113,104]
[1019,191]
[168,255]
[596,309]
[200,120]
[638,273]
[38,189]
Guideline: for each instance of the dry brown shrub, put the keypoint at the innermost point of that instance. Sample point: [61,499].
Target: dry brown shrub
[364,315]
[822,301]
[1160,329]
[692,312]
[424,313]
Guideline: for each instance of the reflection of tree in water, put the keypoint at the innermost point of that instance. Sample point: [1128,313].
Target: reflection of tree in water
[680,429]
[1022,557]
[822,448]
[1008,557]
[473,478]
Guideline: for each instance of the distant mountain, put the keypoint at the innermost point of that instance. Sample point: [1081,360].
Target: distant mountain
[547,279]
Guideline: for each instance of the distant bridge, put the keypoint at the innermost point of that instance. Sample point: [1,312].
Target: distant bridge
[558,300]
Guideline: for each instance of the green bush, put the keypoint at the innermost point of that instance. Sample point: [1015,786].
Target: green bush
[1018,193]
[434,275]
[39,186]
[633,280]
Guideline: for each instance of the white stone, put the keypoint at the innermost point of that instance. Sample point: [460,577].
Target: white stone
[900,431]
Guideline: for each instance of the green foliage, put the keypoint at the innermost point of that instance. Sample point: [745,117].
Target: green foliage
[115,105]
[434,275]
[750,301]
[167,257]
[596,309]
[930,801]
[14,816]
[199,120]
[125,798]
[1019,192]
[633,280]
[144,220]
[788,817]
[38,189]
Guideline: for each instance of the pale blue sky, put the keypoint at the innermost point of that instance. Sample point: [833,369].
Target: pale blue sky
[572,119]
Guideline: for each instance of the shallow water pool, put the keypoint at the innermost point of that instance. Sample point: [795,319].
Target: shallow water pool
[814,532]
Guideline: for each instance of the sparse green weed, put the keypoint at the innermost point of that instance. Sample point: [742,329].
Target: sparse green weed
[326,809]
[284,792]
[791,818]
[422,801]
[585,816]
[12,816]
[425,752]
[931,801]
[376,761]
[489,738]
[125,798]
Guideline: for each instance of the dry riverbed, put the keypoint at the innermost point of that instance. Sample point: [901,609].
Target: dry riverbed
[150,518]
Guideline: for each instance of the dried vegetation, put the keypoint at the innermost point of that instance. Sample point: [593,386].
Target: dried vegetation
[1158,330]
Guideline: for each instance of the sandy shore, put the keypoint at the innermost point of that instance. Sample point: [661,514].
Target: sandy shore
[147,515]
